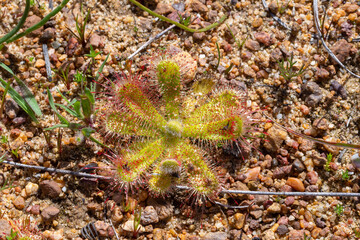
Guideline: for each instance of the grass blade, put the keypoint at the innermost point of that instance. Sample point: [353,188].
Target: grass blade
[19,100]
[28,96]
[52,105]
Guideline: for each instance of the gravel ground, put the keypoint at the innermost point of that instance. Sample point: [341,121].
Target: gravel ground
[322,102]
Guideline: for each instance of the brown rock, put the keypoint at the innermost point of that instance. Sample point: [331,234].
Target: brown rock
[296,184]
[50,189]
[199,36]
[322,74]
[96,41]
[264,38]
[163,8]
[351,8]
[246,55]
[149,216]
[282,172]
[39,63]
[321,124]
[312,177]
[11,108]
[49,213]
[249,72]
[275,138]
[274,208]
[342,50]
[273,7]
[252,174]
[104,229]
[237,221]
[47,35]
[296,235]
[19,203]
[276,55]
[252,45]
[31,21]
[197,6]
[289,200]
[257,22]
[35,209]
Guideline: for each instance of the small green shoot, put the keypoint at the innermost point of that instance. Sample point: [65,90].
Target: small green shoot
[6,184]
[238,43]
[81,27]
[219,56]
[92,53]
[345,175]
[32,3]
[63,74]
[184,21]
[306,237]
[329,157]
[287,71]
[282,7]
[227,70]
[356,232]
[4,139]
[15,152]
[339,209]
[137,219]
[13,235]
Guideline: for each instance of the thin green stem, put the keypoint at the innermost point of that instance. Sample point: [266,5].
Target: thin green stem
[3,98]
[176,23]
[39,24]
[19,25]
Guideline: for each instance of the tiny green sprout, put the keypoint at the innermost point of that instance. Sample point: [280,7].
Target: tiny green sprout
[282,7]
[92,53]
[356,232]
[339,209]
[345,175]
[12,236]
[287,69]
[31,59]
[306,237]
[238,43]
[136,29]
[184,21]
[4,139]
[15,152]
[329,157]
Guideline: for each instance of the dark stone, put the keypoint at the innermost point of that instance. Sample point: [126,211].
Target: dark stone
[298,166]
[282,229]
[319,223]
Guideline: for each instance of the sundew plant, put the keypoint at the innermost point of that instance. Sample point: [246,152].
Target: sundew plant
[171,130]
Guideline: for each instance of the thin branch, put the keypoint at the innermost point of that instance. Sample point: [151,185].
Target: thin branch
[62,171]
[150,41]
[318,30]
[79,174]
[47,62]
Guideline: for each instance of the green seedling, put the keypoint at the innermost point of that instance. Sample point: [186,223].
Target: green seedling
[339,209]
[82,109]
[287,69]
[345,175]
[28,103]
[12,236]
[238,43]
[184,21]
[137,219]
[329,157]
[63,74]
[81,27]
[282,7]
[164,152]
[15,152]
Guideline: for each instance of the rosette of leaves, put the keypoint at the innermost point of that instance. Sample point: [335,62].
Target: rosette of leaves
[168,129]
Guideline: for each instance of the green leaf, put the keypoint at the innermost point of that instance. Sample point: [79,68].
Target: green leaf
[87,131]
[101,68]
[89,95]
[77,107]
[69,110]
[19,100]
[52,105]
[28,96]
[57,126]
